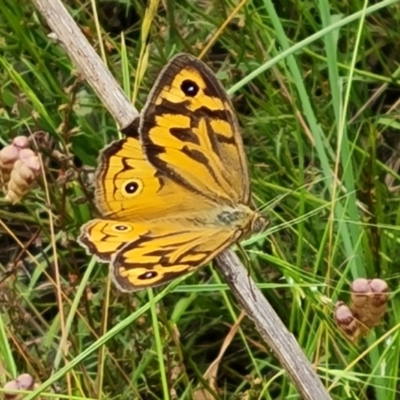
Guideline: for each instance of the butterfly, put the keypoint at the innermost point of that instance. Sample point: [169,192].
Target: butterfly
[176,191]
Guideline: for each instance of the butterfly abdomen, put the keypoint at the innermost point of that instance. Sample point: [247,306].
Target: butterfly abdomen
[229,217]
[233,217]
[242,218]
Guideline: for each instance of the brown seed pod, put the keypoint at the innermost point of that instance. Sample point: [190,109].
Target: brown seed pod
[369,300]
[21,142]
[8,156]
[24,173]
[23,382]
[346,321]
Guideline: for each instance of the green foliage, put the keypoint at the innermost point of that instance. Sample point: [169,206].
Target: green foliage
[315,85]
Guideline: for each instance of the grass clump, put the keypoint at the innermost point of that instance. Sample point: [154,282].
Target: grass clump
[315,86]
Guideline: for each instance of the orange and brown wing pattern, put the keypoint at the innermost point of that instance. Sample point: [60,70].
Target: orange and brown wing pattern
[151,253]
[105,237]
[165,252]
[189,132]
[129,187]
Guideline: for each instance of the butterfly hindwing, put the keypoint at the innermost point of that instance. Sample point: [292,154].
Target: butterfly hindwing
[166,252]
[146,254]
[105,237]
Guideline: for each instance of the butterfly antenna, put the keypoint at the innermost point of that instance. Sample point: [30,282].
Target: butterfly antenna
[275,201]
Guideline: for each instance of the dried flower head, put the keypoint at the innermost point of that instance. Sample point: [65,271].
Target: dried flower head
[19,169]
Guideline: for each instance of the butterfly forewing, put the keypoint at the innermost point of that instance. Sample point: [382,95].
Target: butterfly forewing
[129,187]
[190,132]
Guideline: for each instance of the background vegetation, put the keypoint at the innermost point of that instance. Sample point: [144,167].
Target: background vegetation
[320,115]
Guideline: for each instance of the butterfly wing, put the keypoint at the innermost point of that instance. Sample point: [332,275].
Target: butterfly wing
[105,237]
[129,187]
[165,252]
[151,253]
[190,132]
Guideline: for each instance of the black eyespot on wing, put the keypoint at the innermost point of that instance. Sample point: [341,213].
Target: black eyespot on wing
[189,87]
[131,187]
[121,228]
[148,275]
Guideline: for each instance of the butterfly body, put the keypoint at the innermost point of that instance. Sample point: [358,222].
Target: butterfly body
[176,193]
